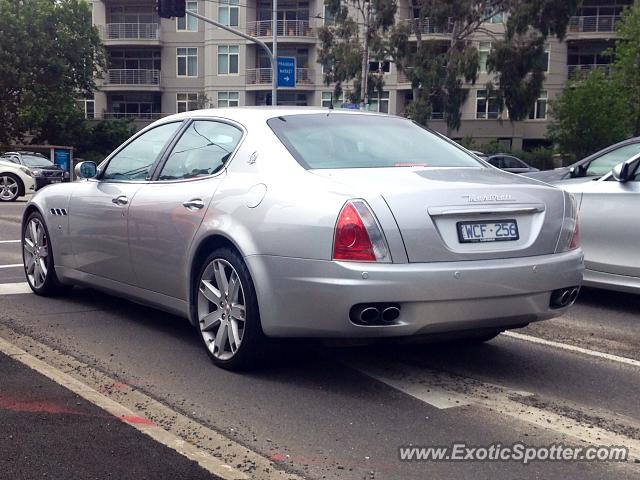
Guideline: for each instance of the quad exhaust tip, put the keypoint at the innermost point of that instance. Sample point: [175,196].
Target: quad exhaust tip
[564,297]
[372,314]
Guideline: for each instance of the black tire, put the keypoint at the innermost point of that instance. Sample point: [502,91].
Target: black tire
[253,342]
[51,286]
[19,191]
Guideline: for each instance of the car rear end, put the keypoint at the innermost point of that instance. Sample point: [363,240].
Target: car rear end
[431,241]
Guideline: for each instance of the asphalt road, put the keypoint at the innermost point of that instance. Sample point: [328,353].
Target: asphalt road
[327,412]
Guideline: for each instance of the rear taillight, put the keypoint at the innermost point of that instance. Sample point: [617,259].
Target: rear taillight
[358,236]
[575,238]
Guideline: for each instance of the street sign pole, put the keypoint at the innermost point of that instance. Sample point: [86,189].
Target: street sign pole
[274,59]
[274,83]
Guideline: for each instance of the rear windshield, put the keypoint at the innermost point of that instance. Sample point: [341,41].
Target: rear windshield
[335,140]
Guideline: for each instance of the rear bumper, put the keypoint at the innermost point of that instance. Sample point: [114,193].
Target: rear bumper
[312,298]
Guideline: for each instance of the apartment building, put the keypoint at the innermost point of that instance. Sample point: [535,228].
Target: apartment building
[160,66]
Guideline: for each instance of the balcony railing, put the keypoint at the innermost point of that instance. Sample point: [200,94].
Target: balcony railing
[428,28]
[576,71]
[286,28]
[594,24]
[132,77]
[132,116]
[130,31]
[262,76]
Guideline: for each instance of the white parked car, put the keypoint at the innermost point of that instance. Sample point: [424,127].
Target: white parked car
[15,181]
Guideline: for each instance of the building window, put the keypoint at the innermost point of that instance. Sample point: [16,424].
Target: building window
[379,103]
[327,98]
[546,58]
[187,61]
[493,15]
[185,102]
[228,59]
[87,107]
[188,23]
[228,99]
[379,66]
[483,54]
[539,111]
[328,18]
[228,13]
[487,107]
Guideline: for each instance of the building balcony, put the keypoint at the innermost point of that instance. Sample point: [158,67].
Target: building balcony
[296,30]
[596,26]
[427,28]
[130,33]
[576,71]
[131,79]
[305,77]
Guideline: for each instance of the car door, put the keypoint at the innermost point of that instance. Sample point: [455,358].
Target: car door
[166,213]
[608,230]
[98,208]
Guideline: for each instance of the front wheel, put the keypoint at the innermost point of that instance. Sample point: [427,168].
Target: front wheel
[227,311]
[37,257]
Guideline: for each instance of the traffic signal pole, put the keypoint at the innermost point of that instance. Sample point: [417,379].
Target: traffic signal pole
[272,55]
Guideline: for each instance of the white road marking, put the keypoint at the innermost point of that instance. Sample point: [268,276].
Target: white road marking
[14,288]
[573,348]
[438,388]
[128,403]
[15,265]
[10,241]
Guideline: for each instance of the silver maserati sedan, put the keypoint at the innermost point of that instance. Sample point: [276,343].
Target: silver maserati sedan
[260,222]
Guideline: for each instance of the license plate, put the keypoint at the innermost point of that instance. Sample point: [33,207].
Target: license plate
[55,180]
[493,231]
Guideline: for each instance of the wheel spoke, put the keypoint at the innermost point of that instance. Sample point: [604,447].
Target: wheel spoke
[237,312]
[234,335]
[209,321]
[30,265]
[43,268]
[36,273]
[33,231]
[210,292]
[221,338]
[221,278]
[40,233]
[234,284]
[28,245]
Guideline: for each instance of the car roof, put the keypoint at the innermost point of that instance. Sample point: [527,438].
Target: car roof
[247,115]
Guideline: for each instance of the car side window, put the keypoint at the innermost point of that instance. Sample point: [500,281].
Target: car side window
[511,162]
[134,161]
[495,161]
[203,149]
[605,163]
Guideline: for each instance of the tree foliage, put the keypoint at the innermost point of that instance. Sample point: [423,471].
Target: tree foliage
[444,56]
[102,138]
[590,114]
[49,56]
[626,67]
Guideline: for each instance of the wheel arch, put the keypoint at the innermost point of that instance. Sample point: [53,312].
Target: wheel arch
[205,246]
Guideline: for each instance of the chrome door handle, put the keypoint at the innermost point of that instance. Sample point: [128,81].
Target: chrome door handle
[194,204]
[121,200]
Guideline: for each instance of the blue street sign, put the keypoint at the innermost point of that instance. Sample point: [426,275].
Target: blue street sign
[351,106]
[286,71]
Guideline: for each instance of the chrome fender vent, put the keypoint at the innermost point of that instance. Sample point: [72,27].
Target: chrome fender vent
[59,211]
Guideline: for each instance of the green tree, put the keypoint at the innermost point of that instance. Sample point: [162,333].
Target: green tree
[590,114]
[438,68]
[626,67]
[103,137]
[349,39]
[49,56]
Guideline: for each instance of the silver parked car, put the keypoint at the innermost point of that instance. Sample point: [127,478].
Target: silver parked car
[262,222]
[609,227]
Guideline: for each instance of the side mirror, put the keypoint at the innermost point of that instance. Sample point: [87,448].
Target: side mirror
[86,170]
[620,172]
[579,171]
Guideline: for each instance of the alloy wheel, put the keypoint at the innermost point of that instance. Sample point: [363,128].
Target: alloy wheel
[36,252]
[221,309]
[8,188]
